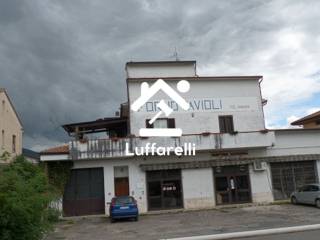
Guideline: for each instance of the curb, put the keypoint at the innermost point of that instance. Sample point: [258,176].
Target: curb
[253,233]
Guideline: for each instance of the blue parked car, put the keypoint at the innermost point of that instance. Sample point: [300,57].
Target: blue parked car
[123,207]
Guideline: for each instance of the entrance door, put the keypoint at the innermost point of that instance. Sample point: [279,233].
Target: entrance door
[232,185]
[84,192]
[121,186]
[121,181]
[164,189]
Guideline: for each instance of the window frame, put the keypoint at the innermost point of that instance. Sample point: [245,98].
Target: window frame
[3,138]
[14,143]
[224,120]
[171,123]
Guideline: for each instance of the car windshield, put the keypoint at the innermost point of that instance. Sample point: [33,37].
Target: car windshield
[124,200]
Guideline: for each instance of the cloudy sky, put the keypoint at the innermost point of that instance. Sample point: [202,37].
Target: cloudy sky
[63,61]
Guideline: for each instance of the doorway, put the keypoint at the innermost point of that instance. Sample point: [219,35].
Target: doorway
[232,184]
[164,189]
[121,181]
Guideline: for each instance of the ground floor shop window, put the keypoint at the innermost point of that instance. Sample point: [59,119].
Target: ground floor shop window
[232,184]
[289,176]
[164,189]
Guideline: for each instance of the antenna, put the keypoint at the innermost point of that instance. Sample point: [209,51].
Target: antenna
[175,54]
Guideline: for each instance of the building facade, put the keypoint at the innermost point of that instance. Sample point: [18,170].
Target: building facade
[11,129]
[237,160]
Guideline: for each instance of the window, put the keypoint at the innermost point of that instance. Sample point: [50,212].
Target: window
[161,123]
[13,143]
[314,188]
[226,124]
[3,106]
[318,122]
[305,188]
[2,139]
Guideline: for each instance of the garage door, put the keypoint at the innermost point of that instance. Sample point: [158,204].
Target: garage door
[84,193]
[288,176]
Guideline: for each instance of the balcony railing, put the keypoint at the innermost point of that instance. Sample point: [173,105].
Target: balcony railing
[111,148]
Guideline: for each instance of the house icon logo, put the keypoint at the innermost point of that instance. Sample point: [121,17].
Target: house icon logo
[148,92]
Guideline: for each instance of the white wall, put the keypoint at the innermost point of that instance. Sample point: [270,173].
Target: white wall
[198,188]
[230,91]
[261,185]
[137,181]
[178,69]
[297,141]
[54,157]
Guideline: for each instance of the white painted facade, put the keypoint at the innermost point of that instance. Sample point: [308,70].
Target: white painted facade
[198,188]
[239,93]
[137,180]
[163,70]
[236,96]
[261,185]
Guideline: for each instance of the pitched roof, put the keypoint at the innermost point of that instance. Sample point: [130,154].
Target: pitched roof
[312,117]
[63,149]
[14,110]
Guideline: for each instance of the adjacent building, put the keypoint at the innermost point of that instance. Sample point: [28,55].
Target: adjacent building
[310,121]
[10,129]
[237,159]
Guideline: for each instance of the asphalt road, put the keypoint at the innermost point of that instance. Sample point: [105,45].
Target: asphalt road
[307,235]
[192,223]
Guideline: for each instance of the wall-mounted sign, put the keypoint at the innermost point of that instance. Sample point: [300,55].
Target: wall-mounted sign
[169,187]
[206,105]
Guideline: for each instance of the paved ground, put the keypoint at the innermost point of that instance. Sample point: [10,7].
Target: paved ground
[308,235]
[188,223]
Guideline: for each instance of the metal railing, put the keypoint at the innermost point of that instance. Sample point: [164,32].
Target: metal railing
[110,148]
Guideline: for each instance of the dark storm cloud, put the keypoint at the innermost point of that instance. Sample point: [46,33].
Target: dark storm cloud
[63,61]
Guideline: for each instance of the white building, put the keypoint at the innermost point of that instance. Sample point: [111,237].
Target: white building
[237,159]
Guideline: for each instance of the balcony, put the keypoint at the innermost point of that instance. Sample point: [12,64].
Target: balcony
[113,148]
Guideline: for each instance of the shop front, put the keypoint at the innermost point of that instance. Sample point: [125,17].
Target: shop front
[232,184]
[289,176]
[164,189]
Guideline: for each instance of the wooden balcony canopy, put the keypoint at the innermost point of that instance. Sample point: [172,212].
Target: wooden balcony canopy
[114,124]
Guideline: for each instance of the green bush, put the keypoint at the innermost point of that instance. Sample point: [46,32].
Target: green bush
[24,199]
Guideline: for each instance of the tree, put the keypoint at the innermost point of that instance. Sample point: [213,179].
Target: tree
[25,196]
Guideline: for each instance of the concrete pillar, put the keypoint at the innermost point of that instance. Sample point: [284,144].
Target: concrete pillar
[261,185]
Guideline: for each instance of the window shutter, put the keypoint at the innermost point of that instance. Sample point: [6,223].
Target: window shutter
[229,124]
[148,125]
[222,125]
[171,123]
[226,124]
